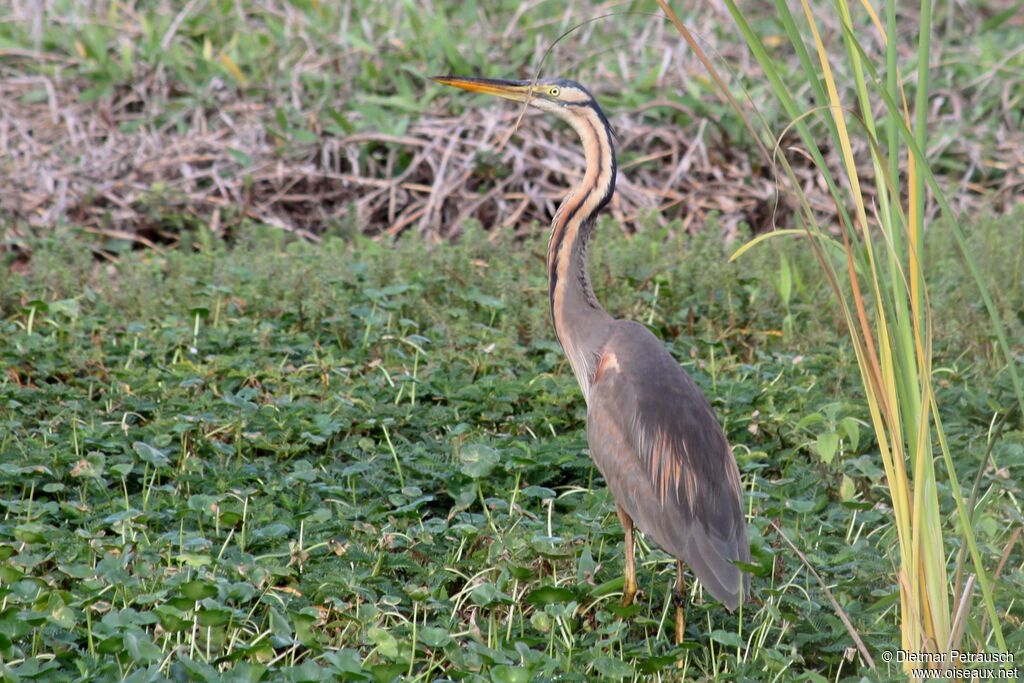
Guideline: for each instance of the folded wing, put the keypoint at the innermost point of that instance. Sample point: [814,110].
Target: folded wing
[667,462]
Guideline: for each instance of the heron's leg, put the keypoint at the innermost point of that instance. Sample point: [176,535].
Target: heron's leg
[679,595]
[629,589]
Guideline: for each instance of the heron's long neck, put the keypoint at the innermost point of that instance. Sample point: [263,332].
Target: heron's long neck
[580,322]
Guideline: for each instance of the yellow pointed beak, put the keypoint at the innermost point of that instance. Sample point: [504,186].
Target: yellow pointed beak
[518,91]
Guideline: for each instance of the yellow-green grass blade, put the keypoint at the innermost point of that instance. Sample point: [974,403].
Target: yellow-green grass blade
[899,389]
[792,109]
[965,517]
[915,153]
[763,237]
[900,129]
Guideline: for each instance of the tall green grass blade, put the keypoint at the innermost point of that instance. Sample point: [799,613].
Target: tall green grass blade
[953,223]
[792,109]
[898,379]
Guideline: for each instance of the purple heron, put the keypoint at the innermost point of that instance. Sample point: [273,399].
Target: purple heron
[651,432]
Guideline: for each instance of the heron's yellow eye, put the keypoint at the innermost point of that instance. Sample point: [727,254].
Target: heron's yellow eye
[553,92]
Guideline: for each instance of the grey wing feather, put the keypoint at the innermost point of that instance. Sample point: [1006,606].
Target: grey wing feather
[665,457]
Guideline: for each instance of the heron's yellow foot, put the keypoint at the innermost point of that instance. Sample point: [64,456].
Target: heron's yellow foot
[629,591]
[680,624]
[679,597]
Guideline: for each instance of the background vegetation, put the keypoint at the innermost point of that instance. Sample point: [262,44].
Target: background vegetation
[137,120]
[237,453]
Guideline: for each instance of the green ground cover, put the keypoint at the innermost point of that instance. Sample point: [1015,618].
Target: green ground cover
[284,461]
[236,455]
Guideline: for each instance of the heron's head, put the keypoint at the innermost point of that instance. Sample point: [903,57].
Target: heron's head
[553,95]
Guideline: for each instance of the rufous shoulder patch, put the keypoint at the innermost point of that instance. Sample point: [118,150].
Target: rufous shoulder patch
[608,363]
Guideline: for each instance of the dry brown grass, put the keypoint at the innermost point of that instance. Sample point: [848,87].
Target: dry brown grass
[67,161]
[462,168]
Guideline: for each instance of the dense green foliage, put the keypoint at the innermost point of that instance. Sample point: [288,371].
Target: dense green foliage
[358,460]
[271,460]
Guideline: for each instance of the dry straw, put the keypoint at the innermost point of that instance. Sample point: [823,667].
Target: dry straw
[109,166]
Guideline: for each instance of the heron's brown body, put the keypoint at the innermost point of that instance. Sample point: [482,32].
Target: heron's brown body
[651,432]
